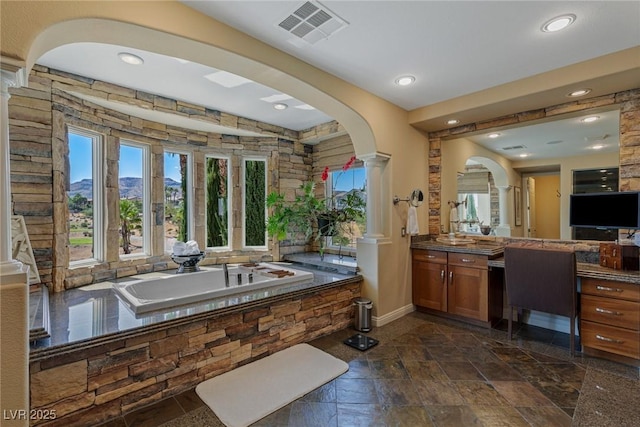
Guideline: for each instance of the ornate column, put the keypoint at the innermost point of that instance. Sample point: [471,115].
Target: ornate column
[14,288]
[374,164]
[12,76]
[504,229]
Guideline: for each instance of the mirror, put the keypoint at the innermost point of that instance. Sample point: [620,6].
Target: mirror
[541,155]
[416,198]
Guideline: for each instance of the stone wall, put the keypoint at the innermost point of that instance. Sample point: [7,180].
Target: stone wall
[628,101]
[96,382]
[38,120]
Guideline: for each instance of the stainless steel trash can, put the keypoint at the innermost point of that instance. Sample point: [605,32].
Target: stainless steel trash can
[363,314]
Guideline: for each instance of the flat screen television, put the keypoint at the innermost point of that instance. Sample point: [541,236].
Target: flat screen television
[605,210]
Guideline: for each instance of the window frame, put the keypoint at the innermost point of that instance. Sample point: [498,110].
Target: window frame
[99,202]
[146,197]
[190,190]
[229,246]
[265,160]
[328,192]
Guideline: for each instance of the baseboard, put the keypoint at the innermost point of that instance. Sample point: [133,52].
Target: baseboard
[394,315]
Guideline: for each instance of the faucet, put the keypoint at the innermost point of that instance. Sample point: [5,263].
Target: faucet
[226,275]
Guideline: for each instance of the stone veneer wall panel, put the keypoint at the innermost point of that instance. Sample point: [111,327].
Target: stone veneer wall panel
[91,383]
[629,102]
[38,116]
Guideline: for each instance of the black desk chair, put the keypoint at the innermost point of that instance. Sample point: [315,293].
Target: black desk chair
[541,279]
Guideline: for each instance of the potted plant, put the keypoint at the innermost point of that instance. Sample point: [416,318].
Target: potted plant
[315,217]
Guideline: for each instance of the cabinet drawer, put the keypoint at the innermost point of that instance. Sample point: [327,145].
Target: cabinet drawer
[468,260]
[611,289]
[430,256]
[610,311]
[609,338]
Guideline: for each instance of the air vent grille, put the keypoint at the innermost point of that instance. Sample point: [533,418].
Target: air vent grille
[514,147]
[306,10]
[290,22]
[312,22]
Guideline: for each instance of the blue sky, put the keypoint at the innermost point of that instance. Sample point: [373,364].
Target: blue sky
[351,178]
[131,159]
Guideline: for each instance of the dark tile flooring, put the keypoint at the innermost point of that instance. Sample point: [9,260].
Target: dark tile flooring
[428,371]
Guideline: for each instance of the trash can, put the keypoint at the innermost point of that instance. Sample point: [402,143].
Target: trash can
[363,314]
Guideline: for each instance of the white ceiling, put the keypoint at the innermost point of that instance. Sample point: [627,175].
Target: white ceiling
[453,48]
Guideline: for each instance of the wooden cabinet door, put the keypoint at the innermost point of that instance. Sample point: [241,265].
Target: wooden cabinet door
[429,285]
[468,292]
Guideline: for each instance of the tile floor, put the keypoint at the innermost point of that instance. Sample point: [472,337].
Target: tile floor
[428,371]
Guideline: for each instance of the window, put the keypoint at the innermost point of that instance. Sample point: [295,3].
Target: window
[135,199]
[85,196]
[218,200]
[255,211]
[178,204]
[341,184]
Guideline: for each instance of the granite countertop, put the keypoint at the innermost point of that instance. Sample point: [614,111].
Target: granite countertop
[594,271]
[494,250]
[489,248]
[94,312]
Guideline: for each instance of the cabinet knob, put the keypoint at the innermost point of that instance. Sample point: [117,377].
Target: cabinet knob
[442,276]
[451,277]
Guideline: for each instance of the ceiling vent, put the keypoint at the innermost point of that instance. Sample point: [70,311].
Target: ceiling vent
[514,147]
[312,22]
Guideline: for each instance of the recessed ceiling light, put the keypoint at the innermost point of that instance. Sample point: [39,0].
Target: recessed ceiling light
[405,80]
[280,106]
[453,122]
[579,92]
[130,58]
[523,155]
[493,135]
[558,23]
[597,147]
[590,119]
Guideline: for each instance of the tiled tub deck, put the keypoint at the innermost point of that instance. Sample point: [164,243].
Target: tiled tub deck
[102,361]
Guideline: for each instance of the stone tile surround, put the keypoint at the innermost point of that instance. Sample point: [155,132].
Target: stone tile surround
[91,381]
[38,117]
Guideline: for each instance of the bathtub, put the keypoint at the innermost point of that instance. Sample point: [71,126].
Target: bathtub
[158,293]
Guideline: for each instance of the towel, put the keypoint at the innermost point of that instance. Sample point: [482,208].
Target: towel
[412,221]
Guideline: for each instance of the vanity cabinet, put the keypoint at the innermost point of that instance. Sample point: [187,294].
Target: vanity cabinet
[610,317]
[468,290]
[429,272]
[457,284]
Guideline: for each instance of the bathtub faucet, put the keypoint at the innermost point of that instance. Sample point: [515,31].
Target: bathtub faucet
[226,275]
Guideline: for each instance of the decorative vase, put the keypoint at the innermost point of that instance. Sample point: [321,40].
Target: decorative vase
[188,263]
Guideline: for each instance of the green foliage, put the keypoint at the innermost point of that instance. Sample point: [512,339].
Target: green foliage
[254,203]
[183,212]
[288,217]
[129,220]
[77,203]
[301,214]
[80,241]
[217,222]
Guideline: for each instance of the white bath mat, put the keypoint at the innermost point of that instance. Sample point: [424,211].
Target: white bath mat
[251,392]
